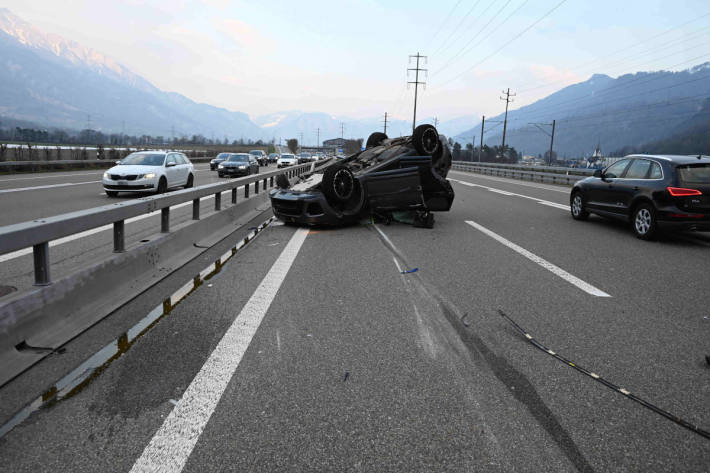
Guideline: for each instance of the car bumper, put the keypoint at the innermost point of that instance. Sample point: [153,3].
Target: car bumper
[306,208]
[233,172]
[284,165]
[129,186]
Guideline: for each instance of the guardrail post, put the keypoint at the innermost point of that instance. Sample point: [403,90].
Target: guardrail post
[218,201]
[246,191]
[264,186]
[41,259]
[256,187]
[119,237]
[165,220]
[196,209]
[271,181]
[234,195]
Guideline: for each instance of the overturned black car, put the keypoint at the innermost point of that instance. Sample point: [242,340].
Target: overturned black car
[391,177]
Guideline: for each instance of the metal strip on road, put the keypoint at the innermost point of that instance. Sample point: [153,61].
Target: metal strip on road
[575,281]
[173,443]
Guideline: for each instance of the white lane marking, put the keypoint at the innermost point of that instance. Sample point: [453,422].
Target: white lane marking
[49,186]
[500,191]
[509,181]
[586,287]
[66,239]
[173,443]
[54,176]
[396,263]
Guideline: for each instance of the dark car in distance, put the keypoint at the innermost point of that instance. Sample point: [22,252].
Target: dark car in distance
[218,159]
[238,164]
[651,192]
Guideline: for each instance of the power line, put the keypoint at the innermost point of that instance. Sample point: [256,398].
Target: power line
[453,31]
[495,30]
[416,84]
[441,27]
[548,13]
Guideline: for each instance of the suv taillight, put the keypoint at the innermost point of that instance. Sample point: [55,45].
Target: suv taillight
[682,192]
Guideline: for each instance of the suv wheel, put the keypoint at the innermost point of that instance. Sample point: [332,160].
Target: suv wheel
[577,207]
[644,222]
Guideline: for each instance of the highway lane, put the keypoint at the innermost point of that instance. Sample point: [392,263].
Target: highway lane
[358,367]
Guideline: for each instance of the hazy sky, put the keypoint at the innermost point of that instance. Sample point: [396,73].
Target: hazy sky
[350,57]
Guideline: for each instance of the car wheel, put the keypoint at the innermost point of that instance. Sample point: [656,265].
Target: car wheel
[282,181]
[644,222]
[162,185]
[111,193]
[375,139]
[338,183]
[190,181]
[426,140]
[577,207]
[219,174]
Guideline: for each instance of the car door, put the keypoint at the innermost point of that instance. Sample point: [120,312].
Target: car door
[635,181]
[172,170]
[602,194]
[185,167]
[396,189]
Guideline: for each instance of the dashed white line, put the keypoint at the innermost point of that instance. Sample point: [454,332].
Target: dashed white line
[49,186]
[574,280]
[173,443]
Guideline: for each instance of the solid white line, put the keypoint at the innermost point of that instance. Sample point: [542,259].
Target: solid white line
[586,287]
[173,443]
[54,176]
[49,186]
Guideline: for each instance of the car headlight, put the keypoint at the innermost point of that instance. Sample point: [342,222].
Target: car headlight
[150,175]
[242,167]
[221,166]
[107,175]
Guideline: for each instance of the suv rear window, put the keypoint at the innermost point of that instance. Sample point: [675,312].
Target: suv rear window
[694,173]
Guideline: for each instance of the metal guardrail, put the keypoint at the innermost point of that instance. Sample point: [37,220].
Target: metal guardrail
[38,233]
[550,174]
[39,164]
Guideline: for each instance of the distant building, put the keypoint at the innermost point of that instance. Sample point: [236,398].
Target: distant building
[335,143]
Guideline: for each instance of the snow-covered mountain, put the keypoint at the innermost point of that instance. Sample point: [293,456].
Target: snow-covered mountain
[49,80]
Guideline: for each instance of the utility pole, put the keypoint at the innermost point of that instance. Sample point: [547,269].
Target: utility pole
[505,121]
[436,122]
[318,138]
[551,135]
[480,150]
[342,130]
[416,83]
[385,121]
[300,143]
[473,146]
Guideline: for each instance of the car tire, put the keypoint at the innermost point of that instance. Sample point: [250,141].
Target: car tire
[282,181]
[111,193]
[576,205]
[375,139]
[643,222]
[219,174]
[426,140]
[190,181]
[338,183]
[162,185]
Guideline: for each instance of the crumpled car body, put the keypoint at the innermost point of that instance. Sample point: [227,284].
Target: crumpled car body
[389,176]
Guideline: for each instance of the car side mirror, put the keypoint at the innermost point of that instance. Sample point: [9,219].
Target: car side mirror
[598,173]
[169,165]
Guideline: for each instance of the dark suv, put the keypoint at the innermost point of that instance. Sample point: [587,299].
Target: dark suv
[649,191]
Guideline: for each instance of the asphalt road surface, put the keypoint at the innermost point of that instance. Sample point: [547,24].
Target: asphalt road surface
[313,351]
